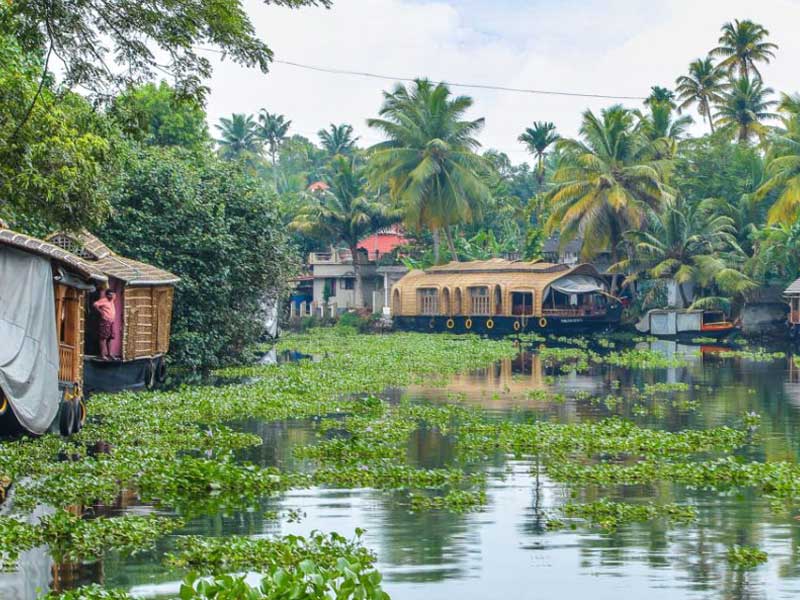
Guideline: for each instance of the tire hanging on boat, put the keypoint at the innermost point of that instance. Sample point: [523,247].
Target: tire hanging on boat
[468,323]
[450,323]
[161,371]
[517,326]
[66,422]
[542,322]
[489,323]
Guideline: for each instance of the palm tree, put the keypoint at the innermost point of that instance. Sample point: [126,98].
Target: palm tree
[744,106]
[703,85]
[661,131]
[686,246]
[238,137]
[346,212]
[538,139]
[783,166]
[272,130]
[604,186]
[660,95]
[743,44]
[338,139]
[429,162]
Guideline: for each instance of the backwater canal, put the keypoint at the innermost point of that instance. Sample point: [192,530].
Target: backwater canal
[505,549]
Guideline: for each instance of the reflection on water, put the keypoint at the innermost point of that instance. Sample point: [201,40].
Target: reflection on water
[505,550]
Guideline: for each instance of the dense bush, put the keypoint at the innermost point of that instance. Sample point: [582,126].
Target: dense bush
[214,226]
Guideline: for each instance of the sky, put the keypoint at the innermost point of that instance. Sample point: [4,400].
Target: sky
[611,47]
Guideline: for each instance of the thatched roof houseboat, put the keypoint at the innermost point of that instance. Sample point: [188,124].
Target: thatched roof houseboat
[501,297]
[144,296]
[42,326]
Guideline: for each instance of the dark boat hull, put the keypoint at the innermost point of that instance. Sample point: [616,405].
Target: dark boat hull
[503,325]
[117,376]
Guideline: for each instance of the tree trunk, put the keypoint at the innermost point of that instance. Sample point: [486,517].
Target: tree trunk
[359,297]
[436,243]
[682,292]
[710,116]
[540,170]
[450,245]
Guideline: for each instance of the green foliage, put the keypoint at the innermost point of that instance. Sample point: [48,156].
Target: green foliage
[157,115]
[56,152]
[216,228]
[85,35]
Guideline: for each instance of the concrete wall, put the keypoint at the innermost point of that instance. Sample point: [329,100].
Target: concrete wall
[764,318]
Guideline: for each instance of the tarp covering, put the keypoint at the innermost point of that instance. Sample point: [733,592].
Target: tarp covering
[577,284]
[29,348]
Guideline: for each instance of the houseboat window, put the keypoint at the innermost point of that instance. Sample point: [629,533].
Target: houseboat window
[396,302]
[349,284]
[478,300]
[522,303]
[428,299]
[457,307]
[446,301]
[498,300]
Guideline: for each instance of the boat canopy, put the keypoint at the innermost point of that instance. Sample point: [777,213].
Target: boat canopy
[577,284]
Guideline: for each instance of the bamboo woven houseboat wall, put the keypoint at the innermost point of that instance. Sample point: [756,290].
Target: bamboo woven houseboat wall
[502,296]
[144,314]
[72,278]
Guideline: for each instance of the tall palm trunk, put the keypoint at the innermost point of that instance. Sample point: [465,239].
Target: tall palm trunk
[540,169]
[359,297]
[710,116]
[450,245]
[436,244]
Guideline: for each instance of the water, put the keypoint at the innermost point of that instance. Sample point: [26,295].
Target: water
[504,551]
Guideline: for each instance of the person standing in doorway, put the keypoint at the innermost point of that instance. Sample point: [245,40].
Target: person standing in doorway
[108,312]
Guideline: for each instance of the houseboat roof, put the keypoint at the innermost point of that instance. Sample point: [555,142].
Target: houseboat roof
[92,250]
[536,274]
[793,289]
[34,245]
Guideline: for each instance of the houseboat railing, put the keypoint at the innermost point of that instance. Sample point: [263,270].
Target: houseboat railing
[572,312]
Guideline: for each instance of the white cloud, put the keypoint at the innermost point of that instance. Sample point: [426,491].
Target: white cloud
[615,47]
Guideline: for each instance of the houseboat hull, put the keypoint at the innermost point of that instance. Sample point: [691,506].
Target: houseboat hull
[505,325]
[116,375]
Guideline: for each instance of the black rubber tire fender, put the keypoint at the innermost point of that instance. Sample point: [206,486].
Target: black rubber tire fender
[66,421]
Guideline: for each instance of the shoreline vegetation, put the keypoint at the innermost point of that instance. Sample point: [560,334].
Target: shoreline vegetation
[173,451]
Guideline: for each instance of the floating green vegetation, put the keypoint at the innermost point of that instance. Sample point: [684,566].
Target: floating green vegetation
[457,501]
[759,355]
[703,340]
[610,515]
[174,450]
[746,557]
[72,539]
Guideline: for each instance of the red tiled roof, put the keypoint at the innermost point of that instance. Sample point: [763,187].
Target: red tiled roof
[383,242]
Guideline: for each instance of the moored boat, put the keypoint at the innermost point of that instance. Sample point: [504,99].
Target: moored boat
[502,297]
[671,322]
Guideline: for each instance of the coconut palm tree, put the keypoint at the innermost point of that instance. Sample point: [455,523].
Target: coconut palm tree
[742,45]
[660,95]
[238,137]
[702,86]
[686,246]
[744,106]
[538,139]
[337,139]
[783,166]
[429,162]
[659,128]
[272,130]
[346,211]
[605,185]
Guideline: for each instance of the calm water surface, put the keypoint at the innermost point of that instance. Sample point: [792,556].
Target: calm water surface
[504,551]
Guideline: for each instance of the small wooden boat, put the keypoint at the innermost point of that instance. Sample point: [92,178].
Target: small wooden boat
[686,323]
[502,297]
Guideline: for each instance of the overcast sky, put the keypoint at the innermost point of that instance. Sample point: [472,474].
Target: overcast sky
[612,47]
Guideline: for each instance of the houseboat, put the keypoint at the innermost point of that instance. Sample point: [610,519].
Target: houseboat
[141,329]
[683,323]
[503,297]
[42,327]
[792,296]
